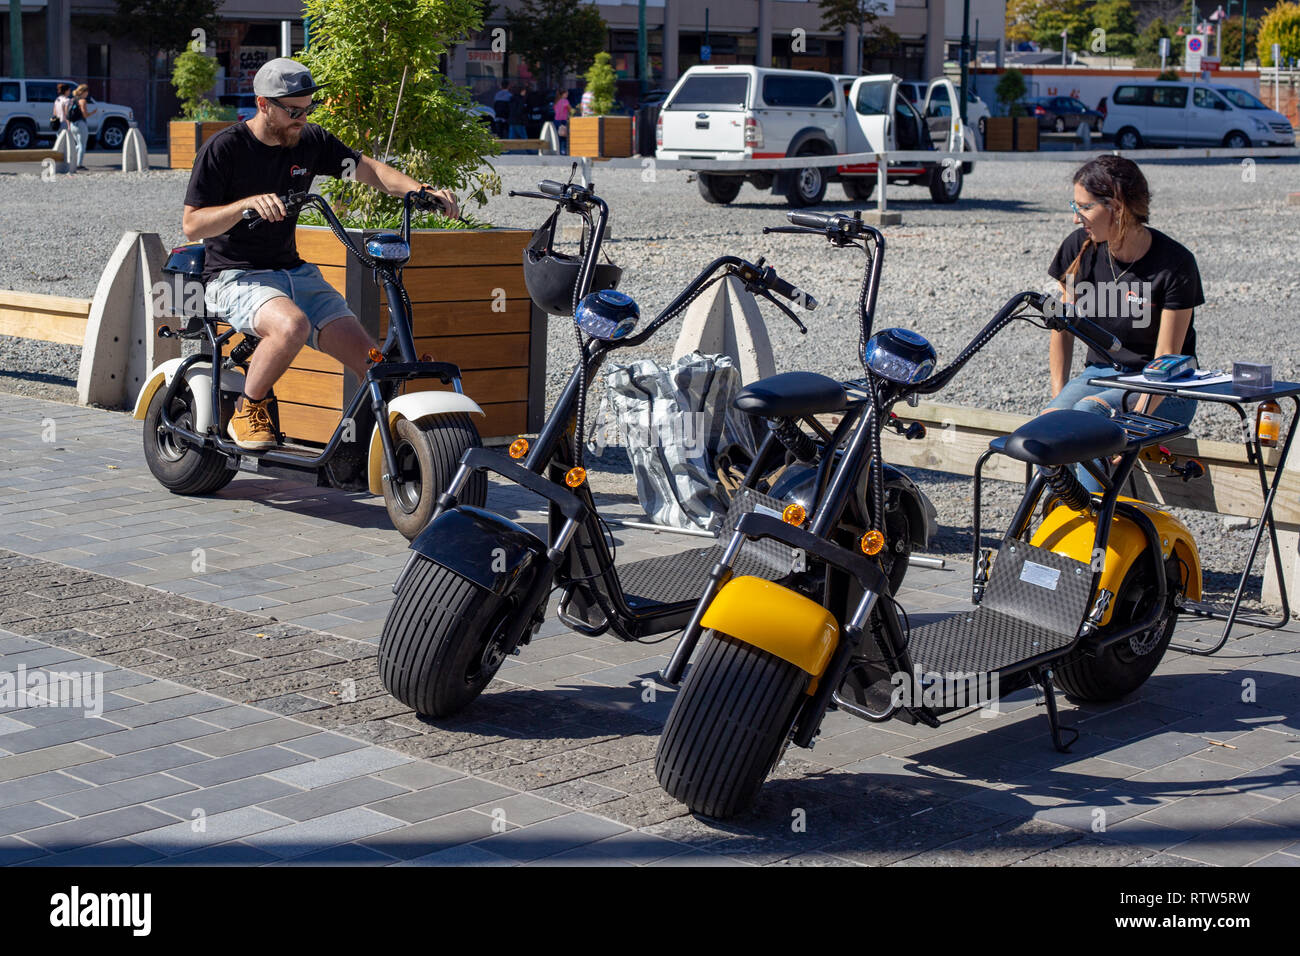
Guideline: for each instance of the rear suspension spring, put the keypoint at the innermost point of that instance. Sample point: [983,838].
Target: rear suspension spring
[1067,487]
[793,438]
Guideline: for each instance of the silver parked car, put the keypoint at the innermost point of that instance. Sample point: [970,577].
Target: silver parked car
[26,105]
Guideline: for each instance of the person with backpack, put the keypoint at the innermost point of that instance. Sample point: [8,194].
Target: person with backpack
[78,111]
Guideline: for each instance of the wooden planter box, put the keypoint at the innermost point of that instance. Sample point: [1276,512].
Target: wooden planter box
[600,137]
[470,307]
[184,139]
[1007,134]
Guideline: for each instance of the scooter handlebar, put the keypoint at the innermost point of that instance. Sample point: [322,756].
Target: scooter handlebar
[551,187]
[788,289]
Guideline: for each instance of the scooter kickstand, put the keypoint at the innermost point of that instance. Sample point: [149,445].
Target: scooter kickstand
[1043,676]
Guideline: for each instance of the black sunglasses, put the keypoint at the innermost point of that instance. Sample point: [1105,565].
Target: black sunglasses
[297,112]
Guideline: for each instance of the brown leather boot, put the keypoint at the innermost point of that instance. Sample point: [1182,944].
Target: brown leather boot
[250,427]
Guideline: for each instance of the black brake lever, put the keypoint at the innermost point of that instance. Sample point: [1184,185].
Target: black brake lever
[803,329]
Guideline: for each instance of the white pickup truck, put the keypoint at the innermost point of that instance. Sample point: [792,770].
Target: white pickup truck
[749,114]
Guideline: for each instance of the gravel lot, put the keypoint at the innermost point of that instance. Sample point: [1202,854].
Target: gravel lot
[947,269]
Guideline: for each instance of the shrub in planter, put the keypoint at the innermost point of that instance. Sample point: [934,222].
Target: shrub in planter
[193,75]
[596,133]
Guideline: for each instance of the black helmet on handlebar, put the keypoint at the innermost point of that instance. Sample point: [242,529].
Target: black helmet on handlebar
[551,276]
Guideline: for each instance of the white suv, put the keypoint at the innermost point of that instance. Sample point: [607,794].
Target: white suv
[26,106]
[1192,114]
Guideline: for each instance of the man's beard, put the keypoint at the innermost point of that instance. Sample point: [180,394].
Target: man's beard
[287,136]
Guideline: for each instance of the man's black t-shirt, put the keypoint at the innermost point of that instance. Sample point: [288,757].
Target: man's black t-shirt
[1165,278]
[235,164]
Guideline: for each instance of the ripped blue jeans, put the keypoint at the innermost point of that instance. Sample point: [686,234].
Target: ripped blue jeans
[1081,396]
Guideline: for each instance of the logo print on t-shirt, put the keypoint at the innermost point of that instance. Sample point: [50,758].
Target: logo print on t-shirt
[296,170]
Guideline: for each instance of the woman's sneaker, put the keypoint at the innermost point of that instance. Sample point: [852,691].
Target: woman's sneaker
[250,427]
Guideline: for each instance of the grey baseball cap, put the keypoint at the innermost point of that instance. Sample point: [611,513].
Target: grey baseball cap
[283,77]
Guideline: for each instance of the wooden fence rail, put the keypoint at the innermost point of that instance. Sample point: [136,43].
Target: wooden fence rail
[48,318]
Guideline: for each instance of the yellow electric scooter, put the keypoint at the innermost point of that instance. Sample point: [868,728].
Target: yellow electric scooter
[1085,600]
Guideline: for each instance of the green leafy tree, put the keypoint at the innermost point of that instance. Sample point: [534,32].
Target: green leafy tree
[162,26]
[873,36]
[1147,48]
[1119,23]
[1232,38]
[1010,91]
[1058,15]
[1281,25]
[556,37]
[1021,17]
[360,54]
[601,84]
[193,75]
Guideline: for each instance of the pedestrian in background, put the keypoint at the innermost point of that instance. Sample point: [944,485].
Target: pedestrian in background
[79,110]
[501,107]
[562,110]
[518,114]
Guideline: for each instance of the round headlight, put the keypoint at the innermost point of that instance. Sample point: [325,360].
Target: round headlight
[900,356]
[388,247]
[607,315]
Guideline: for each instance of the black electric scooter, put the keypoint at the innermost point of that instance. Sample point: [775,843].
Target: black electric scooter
[476,586]
[1087,599]
[404,447]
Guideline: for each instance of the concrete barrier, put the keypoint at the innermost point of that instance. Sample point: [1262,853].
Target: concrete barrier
[121,346]
[135,152]
[726,321]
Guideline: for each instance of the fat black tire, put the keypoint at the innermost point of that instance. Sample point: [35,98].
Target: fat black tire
[1118,671]
[807,185]
[859,188]
[942,192]
[180,468]
[443,639]
[719,190]
[728,726]
[428,452]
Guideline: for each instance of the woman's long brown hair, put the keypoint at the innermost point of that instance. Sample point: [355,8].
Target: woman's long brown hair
[1120,182]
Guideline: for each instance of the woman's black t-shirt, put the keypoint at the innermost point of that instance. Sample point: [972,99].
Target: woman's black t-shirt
[235,164]
[1165,278]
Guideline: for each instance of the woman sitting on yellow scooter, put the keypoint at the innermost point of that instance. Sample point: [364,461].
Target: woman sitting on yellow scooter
[1132,280]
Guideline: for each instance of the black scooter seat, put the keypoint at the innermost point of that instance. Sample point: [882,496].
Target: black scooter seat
[792,394]
[1063,438]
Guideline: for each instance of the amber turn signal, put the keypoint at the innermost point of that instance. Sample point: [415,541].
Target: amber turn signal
[376,355]
[872,542]
[794,514]
[426,357]
[519,448]
[575,476]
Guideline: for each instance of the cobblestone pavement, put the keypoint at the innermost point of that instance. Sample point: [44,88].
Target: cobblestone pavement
[241,719]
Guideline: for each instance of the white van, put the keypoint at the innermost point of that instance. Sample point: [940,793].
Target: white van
[1153,113]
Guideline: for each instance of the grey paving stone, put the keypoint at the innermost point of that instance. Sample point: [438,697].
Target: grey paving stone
[551,836]
[208,830]
[114,853]
[236,716]
[226,854]
[237,766]
[341,826]
[53,758]
[340,767]
[442,799]
[348,854]
[328,799]
[323,745]
[466,854]
[431,836]
[249,737]
[227,796]
[151,713]
[150,787]
[152,735]
[14,850]
[41,786]
[63,732]
[73,834]
[631,847]
[28,816]
[418,775]
[113,769]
